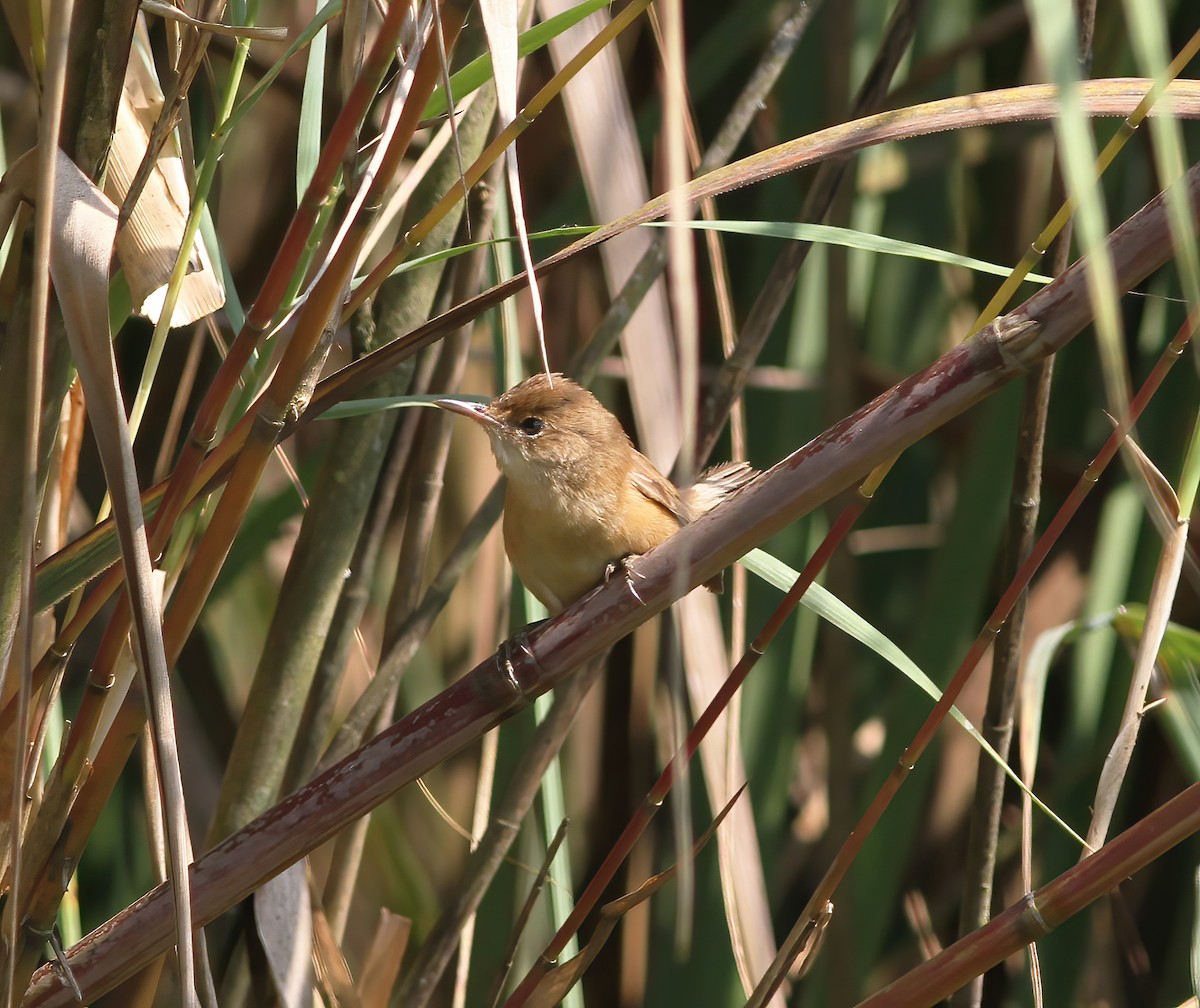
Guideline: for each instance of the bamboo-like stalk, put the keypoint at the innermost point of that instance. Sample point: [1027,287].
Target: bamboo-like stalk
[32,375]
[1040,912]
[997,725]
[15,496]
[1158,611]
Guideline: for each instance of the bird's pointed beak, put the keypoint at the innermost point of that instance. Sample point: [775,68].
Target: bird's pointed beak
[476,411]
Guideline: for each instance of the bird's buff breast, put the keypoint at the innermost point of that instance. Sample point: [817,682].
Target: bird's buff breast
[561,553]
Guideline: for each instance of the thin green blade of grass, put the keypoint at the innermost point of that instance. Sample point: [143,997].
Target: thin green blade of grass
[506,341]
[1109,584]
[234,311]
[849,238]
[308,138]
[1044,650]
[817,233]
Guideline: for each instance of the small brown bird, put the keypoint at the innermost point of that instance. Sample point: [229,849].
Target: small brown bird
[580,498]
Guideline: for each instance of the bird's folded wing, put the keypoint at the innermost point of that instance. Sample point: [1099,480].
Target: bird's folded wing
[654,486]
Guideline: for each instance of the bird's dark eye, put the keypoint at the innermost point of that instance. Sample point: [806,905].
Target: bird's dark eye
[531,425]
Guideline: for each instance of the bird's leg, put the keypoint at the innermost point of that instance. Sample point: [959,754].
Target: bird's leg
[622,565]
[512,650]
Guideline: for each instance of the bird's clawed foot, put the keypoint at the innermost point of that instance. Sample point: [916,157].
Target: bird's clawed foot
[516,649]
[622,565]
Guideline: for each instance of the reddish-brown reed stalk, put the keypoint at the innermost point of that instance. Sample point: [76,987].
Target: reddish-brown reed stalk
[1041,911]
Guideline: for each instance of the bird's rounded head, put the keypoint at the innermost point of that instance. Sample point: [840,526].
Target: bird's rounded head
[548,424]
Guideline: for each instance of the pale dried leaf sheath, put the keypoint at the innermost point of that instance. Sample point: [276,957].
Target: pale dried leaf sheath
[80,256]
[149,244]
[600,115]
[500,24]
